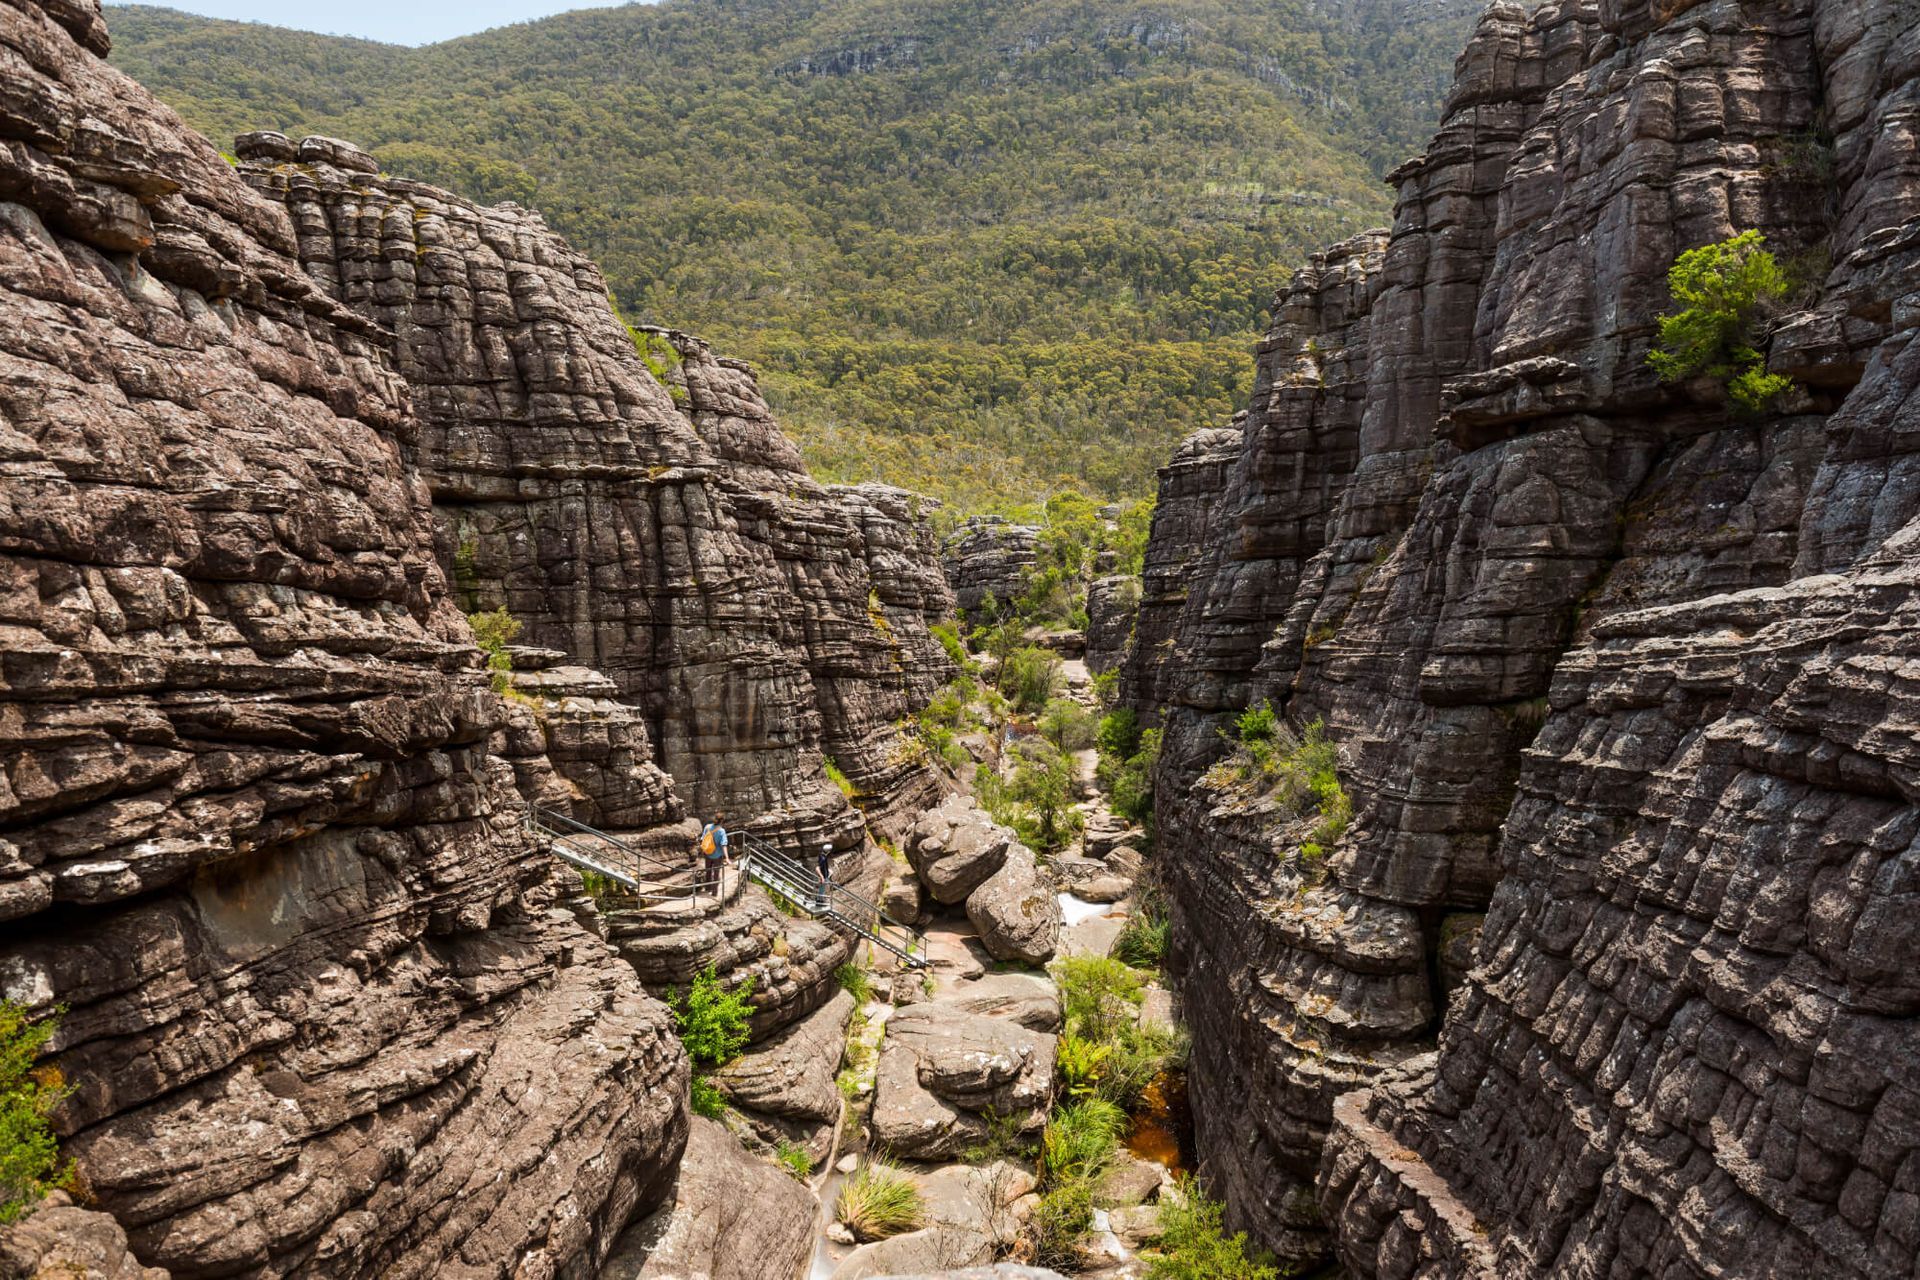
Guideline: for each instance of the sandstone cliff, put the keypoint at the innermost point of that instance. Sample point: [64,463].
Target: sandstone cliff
[1602,660]
[331,1009]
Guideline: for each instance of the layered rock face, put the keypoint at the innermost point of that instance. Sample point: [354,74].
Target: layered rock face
[1464,525]
[326,1012]
[989,556]
[662,532]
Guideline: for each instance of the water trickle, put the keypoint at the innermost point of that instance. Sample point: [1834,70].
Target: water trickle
[1162,1128]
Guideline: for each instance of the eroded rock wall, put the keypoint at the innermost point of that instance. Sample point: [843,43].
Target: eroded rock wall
[663,532]
[1458,486]
[325,1013]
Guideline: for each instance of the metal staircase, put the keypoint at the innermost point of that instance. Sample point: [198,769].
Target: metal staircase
[664,884]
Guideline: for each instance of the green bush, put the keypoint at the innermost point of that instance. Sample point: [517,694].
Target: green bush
[1192,1245]
[795,1158]
[1142,942]
[1098,994]
[948,634]
[1029,676]
[1129,782]
[838,778]
[854,979]
[1726,291]
[1119,734]
[706,1099]
[30,1163]
[879,1201]
[1256,724]
[1101,999]
[493,631]
[712,1020]
[1060,1221]
[1036,797]
[1067,725]
[1081,1063]
[1301,772]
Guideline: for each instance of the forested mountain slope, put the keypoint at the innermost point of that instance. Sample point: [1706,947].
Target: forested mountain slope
[975,248]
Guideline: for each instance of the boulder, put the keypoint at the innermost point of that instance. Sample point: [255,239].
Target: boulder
[905,899]
[956,847]
[60,1241]
[1031,1001]
[1016,911]
[1129,1181]
[943,1071]
[1089,879]
[785,1086]
[977,1198]
[931,1251]
[732,1217]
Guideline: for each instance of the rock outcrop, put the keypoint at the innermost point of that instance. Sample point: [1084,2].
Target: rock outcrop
[60,1241]
[989,556]
[1605,663]
[733,1217]
[327,1014]
[944,1070]
[659,530]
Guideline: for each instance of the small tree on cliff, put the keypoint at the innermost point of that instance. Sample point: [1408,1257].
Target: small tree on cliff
[29,1158]
[1725,292]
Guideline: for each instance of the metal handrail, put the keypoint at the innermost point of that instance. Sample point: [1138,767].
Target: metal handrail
[759,861]
[793,880]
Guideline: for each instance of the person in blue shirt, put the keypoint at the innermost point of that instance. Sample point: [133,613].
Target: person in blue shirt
[711,850]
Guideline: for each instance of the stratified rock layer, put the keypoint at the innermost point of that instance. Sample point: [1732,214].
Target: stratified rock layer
[989,556]
[326,1014]
[666,535]
[1464,525]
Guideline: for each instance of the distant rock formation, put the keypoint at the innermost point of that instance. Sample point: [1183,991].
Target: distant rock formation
[1615,668]
[989,556]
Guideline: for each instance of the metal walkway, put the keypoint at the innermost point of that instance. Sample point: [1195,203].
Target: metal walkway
[669,885]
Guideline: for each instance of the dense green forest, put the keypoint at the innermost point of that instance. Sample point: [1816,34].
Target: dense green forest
[987,249]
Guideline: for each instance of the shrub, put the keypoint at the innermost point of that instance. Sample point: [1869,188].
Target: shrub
[712,1020]
[1098,994]
[1059,1222]
[1142,942]
[493,631]
[1726,291]
[1081,1064]
[1106,689]
[1036,799]
[837,778]
[1129,782]
[706,1099]
[1256,724]
[1192,1245]
[856,980]
[879,1201]
[797,1161]
[1119,734]
[1080,1139]
[948,634]
[1067,725]
[29,1156]
[1029,676]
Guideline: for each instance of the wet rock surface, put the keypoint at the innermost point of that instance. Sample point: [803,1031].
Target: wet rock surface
[1547,608]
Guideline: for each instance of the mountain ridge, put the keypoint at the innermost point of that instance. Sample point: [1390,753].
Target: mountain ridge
[981,250]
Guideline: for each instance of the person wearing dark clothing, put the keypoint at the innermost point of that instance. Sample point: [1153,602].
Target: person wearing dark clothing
[824,865]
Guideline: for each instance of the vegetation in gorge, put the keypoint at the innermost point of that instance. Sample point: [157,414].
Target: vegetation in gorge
[1077,1146]
[1034,794]
[1193,1245]
[1728,291]
[30,1164]
[982,251]
[712,1022]
[794,1159]
[493,631]
[1127,755]
[1300,771]
[879,1201]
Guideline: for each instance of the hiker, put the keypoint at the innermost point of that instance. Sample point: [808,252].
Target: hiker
[824,865]
[712,853]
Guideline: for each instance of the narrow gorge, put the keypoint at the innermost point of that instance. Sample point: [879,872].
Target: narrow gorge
[1471,832]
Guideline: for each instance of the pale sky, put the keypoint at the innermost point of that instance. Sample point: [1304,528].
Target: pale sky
[394,21]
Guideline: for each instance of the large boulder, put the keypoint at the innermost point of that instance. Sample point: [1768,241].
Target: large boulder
[60,1241]
[931,1251]
[1030,1001]
[954,848]
[785,1087]
[1016,911]
[943,1072]
[733,1217]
